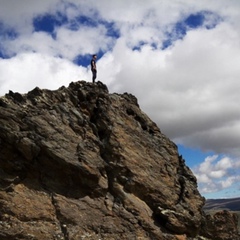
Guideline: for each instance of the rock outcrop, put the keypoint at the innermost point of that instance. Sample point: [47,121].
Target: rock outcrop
[221,225]
[80,163]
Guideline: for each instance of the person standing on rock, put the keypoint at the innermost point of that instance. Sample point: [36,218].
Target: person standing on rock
[94,67]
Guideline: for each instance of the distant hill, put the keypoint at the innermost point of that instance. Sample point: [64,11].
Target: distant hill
[232,204]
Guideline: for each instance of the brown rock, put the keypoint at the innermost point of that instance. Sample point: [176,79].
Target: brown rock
[222,225]
[80,163]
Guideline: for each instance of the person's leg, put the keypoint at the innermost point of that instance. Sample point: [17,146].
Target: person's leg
[94,76]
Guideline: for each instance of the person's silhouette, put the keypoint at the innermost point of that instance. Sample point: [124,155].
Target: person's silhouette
[94,67]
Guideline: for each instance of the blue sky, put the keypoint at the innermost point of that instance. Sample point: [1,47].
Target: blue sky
[180,58]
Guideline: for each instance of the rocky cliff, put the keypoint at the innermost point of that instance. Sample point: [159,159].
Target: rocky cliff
[80,163]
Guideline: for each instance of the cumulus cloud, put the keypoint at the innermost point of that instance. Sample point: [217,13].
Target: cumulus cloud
[27,71]
[217,173]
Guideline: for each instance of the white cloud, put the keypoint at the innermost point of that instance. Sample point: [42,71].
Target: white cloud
[84,41]
[229,181]
[207,164]
[26,71]
[35,42]
[20,14]
[203,178]
[224,163]
[217,173]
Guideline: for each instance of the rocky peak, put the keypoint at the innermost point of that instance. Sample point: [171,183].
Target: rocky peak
[80,163]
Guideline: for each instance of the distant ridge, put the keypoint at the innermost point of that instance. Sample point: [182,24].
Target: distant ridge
[232,204]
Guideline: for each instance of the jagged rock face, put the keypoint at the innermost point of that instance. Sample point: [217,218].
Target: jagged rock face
[221,225]
[80,163]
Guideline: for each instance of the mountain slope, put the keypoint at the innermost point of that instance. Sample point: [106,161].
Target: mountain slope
[232,204]
[80,163]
